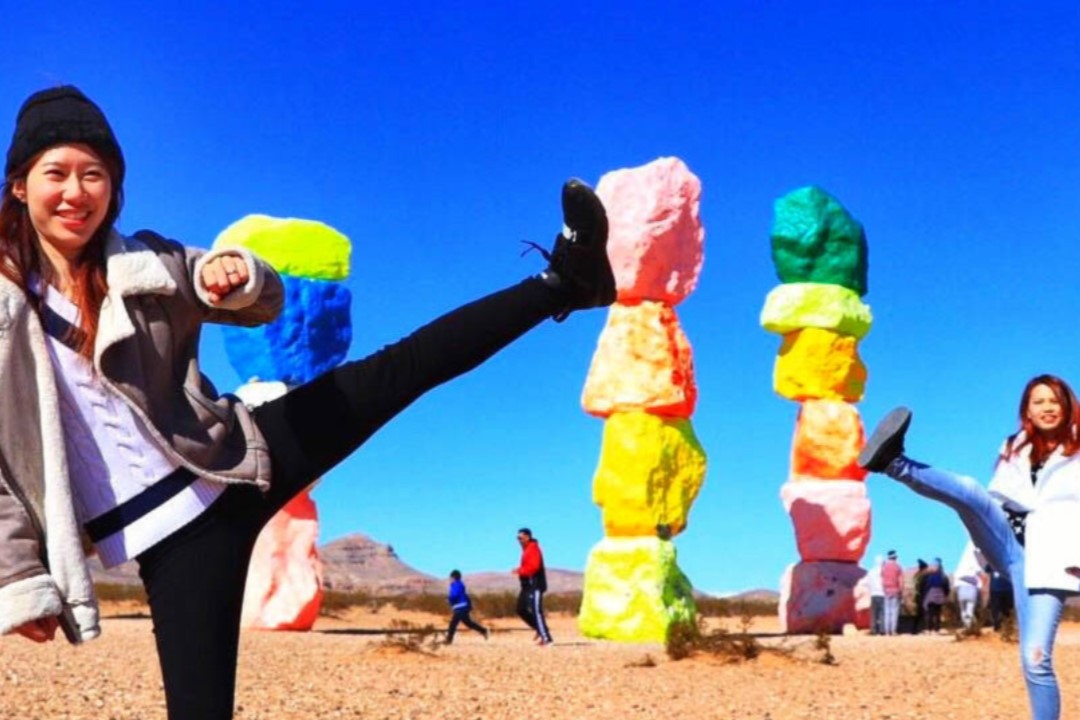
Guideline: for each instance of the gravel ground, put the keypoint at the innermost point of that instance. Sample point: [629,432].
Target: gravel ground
[347,669]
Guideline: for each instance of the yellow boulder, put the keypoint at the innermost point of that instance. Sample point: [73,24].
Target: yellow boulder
[303,248]
[650,471]
[819,364]
[643,361]
[634,591]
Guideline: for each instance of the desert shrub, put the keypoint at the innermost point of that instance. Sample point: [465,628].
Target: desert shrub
[110,592]
[410,637]
[421,602]
[976,630]
[682,640]
[689,638]
[337,601]
[567,603]
[496,605]
[504,604]
[731,607]
[645,662]
[823,644]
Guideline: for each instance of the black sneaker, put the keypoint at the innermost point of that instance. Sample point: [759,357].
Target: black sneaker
[887,442]
[578,264]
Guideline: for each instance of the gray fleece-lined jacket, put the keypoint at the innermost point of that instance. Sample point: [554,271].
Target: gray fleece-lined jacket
[146,347]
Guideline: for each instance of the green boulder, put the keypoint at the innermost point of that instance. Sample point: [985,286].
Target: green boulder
[814,239]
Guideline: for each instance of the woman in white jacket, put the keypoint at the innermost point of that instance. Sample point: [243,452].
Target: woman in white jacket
[1025,523]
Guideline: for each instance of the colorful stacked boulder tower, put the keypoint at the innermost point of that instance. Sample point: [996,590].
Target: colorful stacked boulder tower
[820,254]
[641,382]
[311,336]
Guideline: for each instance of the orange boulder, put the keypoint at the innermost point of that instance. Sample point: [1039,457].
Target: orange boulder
[828,438]
[643,361]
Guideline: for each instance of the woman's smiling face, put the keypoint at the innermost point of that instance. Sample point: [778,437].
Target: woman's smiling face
[67,192]
[1044,409]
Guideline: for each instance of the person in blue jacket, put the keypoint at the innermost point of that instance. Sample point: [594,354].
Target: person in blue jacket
[461,606]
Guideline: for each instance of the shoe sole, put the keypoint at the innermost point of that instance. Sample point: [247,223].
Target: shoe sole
[896,422]
[582,210]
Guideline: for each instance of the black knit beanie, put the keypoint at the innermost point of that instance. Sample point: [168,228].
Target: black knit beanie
[61,115]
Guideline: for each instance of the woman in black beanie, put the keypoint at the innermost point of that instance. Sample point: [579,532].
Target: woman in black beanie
[109,433]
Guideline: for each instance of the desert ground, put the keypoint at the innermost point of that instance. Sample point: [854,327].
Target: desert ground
[349,667]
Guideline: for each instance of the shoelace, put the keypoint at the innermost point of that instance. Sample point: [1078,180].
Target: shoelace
[534,246]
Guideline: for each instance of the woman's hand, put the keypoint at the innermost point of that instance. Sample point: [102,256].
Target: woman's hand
[222,275]
[40,630]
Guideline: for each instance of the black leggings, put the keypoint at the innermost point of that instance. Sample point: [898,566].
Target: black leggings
[195,578]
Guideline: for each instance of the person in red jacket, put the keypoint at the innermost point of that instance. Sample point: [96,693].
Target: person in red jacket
[530,605]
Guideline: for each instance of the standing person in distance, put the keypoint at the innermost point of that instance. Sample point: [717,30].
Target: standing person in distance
[892,582]
[877,597]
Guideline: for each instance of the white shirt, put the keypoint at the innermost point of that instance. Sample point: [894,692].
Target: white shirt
[111,456]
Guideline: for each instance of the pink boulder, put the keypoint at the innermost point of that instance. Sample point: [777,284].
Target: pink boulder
[643,361]
[284,585]
[656,240]
[820,597]
[831,518]
[828,438]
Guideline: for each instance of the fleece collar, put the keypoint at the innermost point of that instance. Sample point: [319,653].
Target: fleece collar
[131,268]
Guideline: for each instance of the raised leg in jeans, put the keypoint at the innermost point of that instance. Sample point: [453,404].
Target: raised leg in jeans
[1038,613]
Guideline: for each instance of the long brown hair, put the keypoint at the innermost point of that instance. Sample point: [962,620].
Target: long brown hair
[1063,436]
[21,257]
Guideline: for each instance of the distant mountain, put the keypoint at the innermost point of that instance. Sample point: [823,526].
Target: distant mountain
[356,562]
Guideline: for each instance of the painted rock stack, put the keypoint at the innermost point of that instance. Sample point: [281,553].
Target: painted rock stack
[311,336]
[641,382]
[820,254]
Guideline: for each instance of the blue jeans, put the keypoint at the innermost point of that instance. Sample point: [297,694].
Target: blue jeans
[1038,612]
[892,613]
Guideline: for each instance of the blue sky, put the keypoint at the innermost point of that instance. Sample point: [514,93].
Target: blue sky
[437,136]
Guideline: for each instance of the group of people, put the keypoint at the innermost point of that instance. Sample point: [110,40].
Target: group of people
[111,438]
[929,593]
[532,578]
